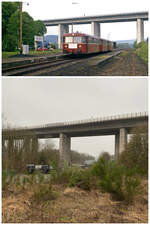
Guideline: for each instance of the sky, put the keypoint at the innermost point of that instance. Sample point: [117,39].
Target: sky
[62,9]
[31,102]
[43,10]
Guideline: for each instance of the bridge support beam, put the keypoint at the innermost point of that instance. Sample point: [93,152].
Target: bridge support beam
[140,30]
[64,150]
[10,146]
[62,29]
[122,140]
[34,148]
[95,29]
[117,138]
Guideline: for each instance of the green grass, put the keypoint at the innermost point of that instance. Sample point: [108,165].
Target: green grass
[6,55]
[142,51]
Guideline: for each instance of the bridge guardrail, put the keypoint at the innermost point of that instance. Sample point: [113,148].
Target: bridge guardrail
[99,119]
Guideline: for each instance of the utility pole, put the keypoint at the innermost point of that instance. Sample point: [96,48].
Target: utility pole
[20,27]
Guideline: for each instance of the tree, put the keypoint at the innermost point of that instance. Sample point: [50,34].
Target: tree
[136,153]
[40,28]
[10,43]
[28,28]
[8,8]
[11,27]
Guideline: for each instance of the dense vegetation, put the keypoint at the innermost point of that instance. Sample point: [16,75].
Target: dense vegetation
[121,177]
[142,50]
[10,27]
[16,154]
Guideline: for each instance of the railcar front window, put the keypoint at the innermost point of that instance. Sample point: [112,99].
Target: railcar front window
[69,40]
[83,39]
[77,39]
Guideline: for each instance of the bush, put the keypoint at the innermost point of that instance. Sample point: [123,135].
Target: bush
[116,179]
[62,176]
[132,187]
[7,178]
[81,178]
[142,51]
[43,192]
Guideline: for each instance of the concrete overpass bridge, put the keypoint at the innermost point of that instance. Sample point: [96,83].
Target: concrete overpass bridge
[120,126]
[95,21]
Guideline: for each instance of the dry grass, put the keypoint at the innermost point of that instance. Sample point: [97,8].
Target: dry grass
[73,205]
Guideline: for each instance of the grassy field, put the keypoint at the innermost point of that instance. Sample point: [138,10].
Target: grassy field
[6,55]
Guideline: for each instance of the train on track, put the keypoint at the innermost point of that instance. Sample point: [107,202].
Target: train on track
[80,43]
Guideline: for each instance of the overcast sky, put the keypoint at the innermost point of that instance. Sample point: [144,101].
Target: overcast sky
[61,9]
[32,101]
[41,10]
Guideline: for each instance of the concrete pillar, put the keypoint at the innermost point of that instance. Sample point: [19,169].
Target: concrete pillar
[116,146]
[64,150]
[34,149]
[35,144]
[10,144]
[3,144]
[122,140]
[62,29]
[27,143]
[140,30]
[95,29]
[26,148]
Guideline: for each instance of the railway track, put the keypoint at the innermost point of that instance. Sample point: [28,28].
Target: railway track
[33,67]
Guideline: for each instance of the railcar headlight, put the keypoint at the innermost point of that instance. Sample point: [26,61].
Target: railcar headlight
[80,46]
[66,46]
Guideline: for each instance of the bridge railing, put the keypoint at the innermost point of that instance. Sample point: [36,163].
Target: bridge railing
[92,120]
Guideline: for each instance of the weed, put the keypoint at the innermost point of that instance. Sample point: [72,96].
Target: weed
[43,192]
[81,179]
[7,177]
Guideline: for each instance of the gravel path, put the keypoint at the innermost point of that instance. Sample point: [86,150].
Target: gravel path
[126,64]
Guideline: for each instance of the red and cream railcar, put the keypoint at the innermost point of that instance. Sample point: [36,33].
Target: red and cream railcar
[79,43]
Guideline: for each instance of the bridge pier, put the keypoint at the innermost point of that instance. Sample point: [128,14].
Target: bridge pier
[62,29]
[122,140]
[34,148]
[10,147]
[95,29]
[117,139]
[64,150]
[140,30]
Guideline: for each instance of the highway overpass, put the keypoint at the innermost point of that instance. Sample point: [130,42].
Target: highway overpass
[95,21]
[120,126]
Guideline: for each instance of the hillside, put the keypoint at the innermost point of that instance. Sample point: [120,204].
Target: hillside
[51,38]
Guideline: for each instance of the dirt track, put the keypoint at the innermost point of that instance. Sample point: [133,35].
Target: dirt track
[126,64]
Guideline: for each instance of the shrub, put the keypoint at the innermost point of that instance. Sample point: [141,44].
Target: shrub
[131,187]
[62,176]
[7,178]
[116,179]
[43,192]
[81,178]
[142,51]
